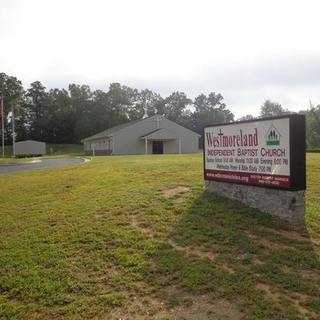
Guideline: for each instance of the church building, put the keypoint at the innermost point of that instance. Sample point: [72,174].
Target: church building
[152,135]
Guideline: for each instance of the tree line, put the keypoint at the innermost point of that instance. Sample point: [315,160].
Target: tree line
[69,115]
[269,109]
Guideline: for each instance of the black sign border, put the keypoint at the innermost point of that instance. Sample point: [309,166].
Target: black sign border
[297,140]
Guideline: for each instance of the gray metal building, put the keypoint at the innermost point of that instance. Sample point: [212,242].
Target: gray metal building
[30,148]
[153,135]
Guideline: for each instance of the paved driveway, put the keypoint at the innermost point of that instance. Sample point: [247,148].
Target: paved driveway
[42,164]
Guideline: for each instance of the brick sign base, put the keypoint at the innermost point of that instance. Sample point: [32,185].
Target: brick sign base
[288,205]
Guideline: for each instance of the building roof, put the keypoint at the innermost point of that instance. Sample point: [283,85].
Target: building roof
[112,130]
[159,134]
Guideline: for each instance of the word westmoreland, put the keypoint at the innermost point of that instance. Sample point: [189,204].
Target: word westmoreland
[222,145]
[239,140]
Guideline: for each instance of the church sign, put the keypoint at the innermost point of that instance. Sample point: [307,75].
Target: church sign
[268,152]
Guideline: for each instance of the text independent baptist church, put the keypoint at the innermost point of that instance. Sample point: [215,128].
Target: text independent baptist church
[152,135]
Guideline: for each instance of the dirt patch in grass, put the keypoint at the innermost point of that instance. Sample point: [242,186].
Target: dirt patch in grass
[292,235]
[267,243]
[273,245]
[202,254]
[193,251]
[269,291]
[142,226]
[137,308]
[310,274]
[170,193]
[178,305]
[203,308]
[256,261]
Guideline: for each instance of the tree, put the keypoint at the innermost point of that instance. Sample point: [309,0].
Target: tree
[188,120]
[120,97]
[201,103]
[69,115]
[209,110]
[101,117]
[145,99]
[246,117]
[61,117]
[36,106]
[313,127]
[174,105]
[269,109]
[81,106]
[13,94]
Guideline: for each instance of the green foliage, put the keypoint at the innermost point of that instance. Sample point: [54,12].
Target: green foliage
[209,110]
[270,109]
[12,91]
[174,105]
[36,104]
[67,116]
[313,127]
[246,117]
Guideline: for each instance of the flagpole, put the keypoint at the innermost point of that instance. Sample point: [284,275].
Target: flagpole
[13,134]
[2,126]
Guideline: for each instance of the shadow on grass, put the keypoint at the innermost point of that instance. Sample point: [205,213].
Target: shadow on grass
[225,250]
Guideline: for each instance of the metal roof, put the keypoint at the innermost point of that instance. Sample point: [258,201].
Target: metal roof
[159,134]
[112,130]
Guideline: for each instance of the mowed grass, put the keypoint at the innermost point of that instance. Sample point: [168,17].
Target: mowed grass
[136,237]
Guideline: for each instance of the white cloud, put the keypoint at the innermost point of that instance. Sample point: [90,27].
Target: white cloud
[247,50]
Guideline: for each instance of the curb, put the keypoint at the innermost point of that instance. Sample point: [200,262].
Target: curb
[85,160]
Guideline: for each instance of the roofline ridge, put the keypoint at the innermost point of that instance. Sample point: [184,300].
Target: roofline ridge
[133,122]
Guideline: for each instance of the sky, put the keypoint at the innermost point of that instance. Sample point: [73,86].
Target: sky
[248,51]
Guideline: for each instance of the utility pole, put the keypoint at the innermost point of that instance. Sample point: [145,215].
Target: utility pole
[2,125]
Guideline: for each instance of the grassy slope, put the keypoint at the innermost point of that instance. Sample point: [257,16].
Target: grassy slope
[102,241]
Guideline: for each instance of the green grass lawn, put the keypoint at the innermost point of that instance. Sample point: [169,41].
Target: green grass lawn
[137,238]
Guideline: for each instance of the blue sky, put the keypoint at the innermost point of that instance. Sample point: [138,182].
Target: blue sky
[247,50]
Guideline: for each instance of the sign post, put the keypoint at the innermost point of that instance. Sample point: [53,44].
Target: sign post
[258,161]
